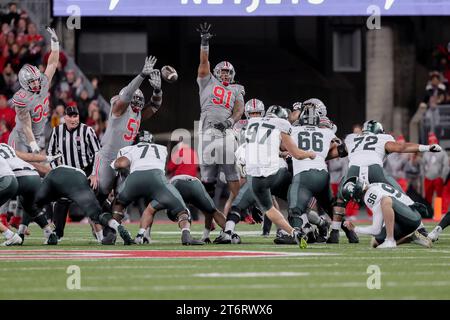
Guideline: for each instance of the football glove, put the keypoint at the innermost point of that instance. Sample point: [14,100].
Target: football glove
[222,126]
[148,66]
[435,148]
[155,79]
[205,35]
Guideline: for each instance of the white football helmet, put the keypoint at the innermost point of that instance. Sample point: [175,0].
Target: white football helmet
[28,75]
[254,105]
[224,65]
[318,104]
[137,101]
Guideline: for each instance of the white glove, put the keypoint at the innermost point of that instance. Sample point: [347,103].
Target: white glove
[297,106]
[54,39]
[34,147]
[50,159]
[155,79]
[148,65]
[435,148]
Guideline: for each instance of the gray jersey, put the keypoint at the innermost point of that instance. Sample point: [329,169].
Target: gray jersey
[120,132]
[217,102]
[37,105]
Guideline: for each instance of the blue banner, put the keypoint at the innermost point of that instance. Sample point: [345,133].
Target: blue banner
[249,7]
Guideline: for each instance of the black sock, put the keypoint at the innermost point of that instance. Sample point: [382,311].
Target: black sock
[445,221]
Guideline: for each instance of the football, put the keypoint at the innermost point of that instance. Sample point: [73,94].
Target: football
[169,74]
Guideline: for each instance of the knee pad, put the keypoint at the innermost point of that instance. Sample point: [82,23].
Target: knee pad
[104,218]
[210,188]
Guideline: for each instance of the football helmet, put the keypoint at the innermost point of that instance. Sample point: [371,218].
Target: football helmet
[310,115]
[144,136]
[318,104]
[226,78]
[354,188]
[372,126]
[137,101]
[253,106]
[277,111]
[30,78]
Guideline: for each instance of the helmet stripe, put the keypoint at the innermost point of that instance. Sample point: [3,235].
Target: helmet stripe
[254,103]
[30,67]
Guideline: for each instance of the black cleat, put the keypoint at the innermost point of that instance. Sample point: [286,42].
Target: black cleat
[187,240]
[207,241]
[351,235]
[283,238]
[334,236]
[52,239]
[223,238]
[422,231]
[22,236]
[125,235]
[109,236]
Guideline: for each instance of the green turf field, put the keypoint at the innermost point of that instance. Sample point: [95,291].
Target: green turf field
[408,272]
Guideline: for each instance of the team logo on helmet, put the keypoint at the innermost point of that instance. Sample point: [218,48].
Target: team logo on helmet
[310,115]
[372,126]
[224,72]
[318,104]
[254,106]
[30,78]
[137,101]
[277,111]
[354,188]
[144,136]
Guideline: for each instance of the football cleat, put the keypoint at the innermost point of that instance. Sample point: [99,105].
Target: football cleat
[125,235]
[22,236]
[421,240]
[373,242]
[223,238]
[434,235]
[235,239]
[387,244]
[52,239]
[187,240]
[139,239]
[334,236]
[15,240]
[206,240]
[423,231]
[351,235]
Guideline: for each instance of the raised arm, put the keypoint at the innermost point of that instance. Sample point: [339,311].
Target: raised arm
[205,35]
[24,116]
[156,100]
[53,59]
[126,94]
[294,151]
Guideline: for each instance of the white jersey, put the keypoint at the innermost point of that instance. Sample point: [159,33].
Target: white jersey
[372,199]
[5,170]
[311,138]
[17,165]
[145,156]
[367,149]
[263,138]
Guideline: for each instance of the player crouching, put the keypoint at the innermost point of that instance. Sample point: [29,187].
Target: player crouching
[399,213]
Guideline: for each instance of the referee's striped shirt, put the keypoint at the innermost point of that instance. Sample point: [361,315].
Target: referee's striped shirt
[78,146]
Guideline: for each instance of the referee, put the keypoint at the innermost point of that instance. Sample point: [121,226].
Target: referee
[78,145]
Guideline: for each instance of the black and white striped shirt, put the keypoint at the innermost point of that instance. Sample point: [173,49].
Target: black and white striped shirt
[78,146]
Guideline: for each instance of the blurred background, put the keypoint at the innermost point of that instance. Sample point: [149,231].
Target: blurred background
[398,74]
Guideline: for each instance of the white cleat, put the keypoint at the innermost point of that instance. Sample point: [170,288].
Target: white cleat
[434,235]
[421,240]
[15,240]
[387,244]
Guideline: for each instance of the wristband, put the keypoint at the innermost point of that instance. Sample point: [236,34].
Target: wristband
[54,45]
[204,48]
[423,148]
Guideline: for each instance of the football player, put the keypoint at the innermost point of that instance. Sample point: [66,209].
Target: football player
[245,198]
[29,183]
[264,138]
[31,102]
[366,153]
[311,177]
[399,214]
[222,105]
[193,192]
[8,190]
[146,161]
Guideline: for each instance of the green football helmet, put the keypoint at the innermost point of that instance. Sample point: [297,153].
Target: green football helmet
[354,188]
[277,111]
[373,127]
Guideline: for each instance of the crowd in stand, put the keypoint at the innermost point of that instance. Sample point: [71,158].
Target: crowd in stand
[21,43]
